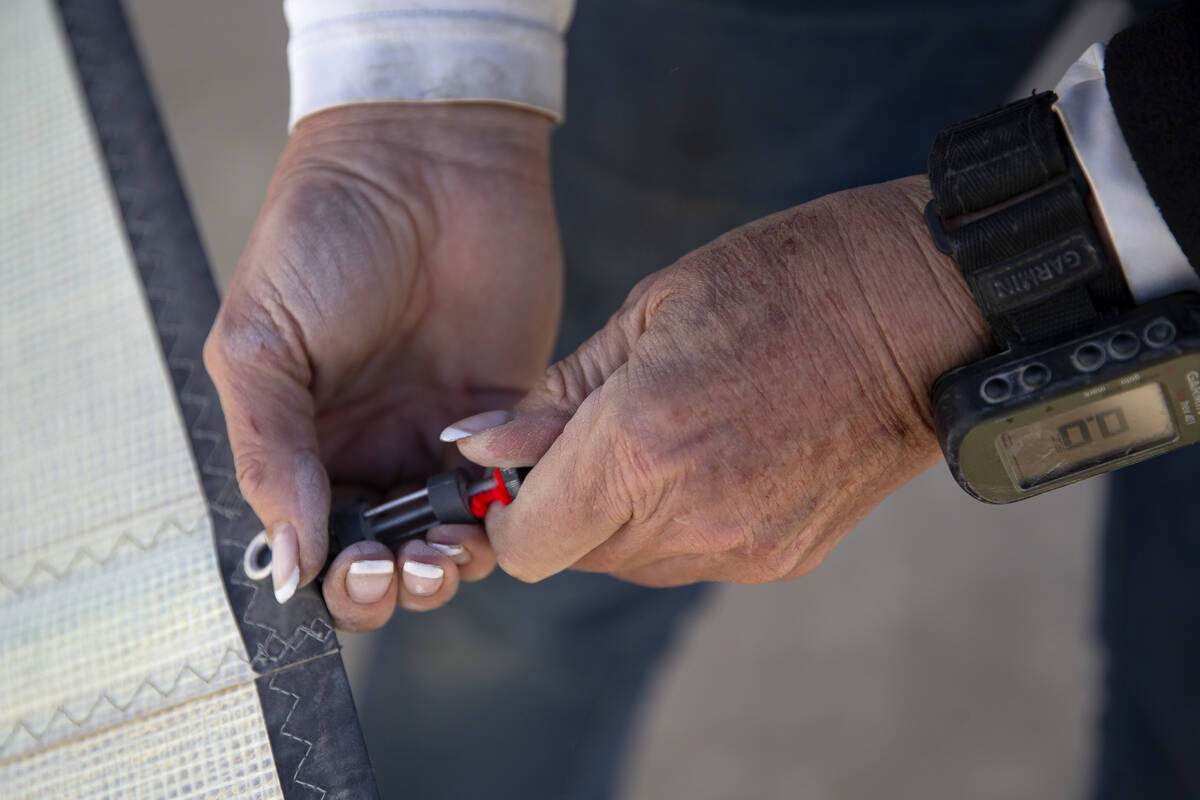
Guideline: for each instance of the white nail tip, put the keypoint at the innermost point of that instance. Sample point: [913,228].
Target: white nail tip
[453,434]
[476,424]
[450,550]
[421,570]
[285,592]
[380,567]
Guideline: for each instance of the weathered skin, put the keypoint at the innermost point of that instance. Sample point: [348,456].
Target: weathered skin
[404,271]
[740,413]
[748,404]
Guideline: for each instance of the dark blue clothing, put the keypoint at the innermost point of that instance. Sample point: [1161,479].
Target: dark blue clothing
[1150,629]
[686,118]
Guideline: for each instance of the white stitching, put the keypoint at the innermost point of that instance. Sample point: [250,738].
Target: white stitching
[283,729]
[21,724]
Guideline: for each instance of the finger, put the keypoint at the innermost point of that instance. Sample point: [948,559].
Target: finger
[262,380]
[520,437]
[360,587]
[569,503]
[467,546]
[428,579]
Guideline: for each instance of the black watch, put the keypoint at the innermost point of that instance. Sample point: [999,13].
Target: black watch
[1084,381]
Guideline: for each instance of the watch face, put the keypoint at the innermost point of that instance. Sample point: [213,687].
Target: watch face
[1027,421]
[1099,431]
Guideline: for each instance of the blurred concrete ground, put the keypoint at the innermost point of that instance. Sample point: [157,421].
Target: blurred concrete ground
[945,649]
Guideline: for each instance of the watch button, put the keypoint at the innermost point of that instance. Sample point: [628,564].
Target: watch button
[1123,345]
[996,388]
[1088,357]
[1035,376]
[1159,333]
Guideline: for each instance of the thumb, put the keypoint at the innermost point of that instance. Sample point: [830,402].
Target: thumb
[564,509]
[519,438]
[262,379]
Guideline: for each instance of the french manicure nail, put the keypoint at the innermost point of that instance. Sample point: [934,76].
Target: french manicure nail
[448,550]
[421,578]
[369,580]
[476,424]
[285,557]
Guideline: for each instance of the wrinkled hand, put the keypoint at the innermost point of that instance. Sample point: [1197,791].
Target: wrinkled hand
[404,271]
[746,406]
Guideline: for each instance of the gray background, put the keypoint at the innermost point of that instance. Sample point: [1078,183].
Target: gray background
[945,649]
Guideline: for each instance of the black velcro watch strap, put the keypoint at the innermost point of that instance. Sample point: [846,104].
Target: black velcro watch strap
[1009,204]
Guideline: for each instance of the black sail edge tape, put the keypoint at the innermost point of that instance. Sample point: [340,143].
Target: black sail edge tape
[294,645]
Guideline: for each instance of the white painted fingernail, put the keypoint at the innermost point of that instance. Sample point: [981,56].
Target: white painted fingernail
[455,552]
[476,424]
[421,578]
[368,581]
[284,593]
[381,567]
[285,557]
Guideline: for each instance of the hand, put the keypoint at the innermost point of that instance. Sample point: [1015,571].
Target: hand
[746,406]
[404,271]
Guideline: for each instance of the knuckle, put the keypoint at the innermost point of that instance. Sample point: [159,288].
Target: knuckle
[564,383]
[253,331]
[251,469]
[213,352]
[635,488]
[518,568]
[770,556]
[555,384]
[649,466]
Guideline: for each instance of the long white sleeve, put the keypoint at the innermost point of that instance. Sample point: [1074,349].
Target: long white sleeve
[1153,263]
[362,51]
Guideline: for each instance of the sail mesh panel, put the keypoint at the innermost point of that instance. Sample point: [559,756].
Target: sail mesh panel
[122,670]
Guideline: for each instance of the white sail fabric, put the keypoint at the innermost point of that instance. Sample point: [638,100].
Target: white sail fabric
[122,670]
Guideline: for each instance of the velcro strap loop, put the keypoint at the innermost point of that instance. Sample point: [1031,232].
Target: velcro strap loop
[1015,219]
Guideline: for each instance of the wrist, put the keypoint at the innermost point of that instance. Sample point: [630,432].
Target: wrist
[417,165]
[940,323]
[400,137]
[921,318]
[488,135]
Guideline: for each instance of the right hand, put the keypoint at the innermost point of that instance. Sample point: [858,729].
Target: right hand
[404,272]
[746,406]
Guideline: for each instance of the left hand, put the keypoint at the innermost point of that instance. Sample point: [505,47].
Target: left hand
[746,406]
[404,271]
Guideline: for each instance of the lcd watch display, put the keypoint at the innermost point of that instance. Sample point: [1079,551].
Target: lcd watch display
[1113,426]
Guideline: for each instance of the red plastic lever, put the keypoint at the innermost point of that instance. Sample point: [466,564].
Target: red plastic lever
[480,503]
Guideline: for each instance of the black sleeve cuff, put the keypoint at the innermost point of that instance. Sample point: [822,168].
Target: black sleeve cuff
[1152,71]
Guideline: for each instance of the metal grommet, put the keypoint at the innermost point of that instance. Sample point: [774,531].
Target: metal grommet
[256,561]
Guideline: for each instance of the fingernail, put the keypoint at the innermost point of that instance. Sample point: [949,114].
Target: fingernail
[455,552]
[369,580]
[476,424]
[285,557]
[421,578]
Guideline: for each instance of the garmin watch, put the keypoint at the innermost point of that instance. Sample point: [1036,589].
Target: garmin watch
[1085,381]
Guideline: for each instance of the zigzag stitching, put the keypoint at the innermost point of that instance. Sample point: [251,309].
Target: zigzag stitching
[84,553]
[212,464]
[262,654]
[20,725]
[283,729]
[227,502]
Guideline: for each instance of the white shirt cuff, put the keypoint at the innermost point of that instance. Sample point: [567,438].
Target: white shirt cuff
[1151,259]
[364,51]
